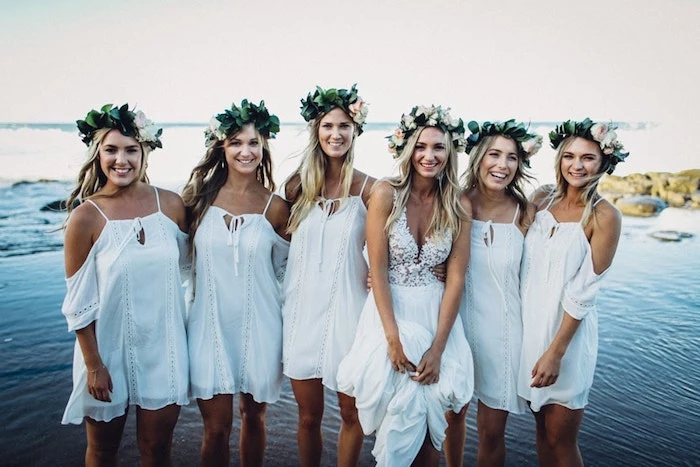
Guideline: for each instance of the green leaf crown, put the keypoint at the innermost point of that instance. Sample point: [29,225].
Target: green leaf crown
[421,116]
[232,120]
[530,143]
[602,133]
[323,101]
[128,122]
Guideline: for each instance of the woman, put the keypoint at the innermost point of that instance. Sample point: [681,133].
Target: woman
[325,284]
[410,361]
[499,156]
[568,249]
[123,249]
[239,244]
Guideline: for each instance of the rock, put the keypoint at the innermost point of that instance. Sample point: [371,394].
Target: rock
[674,199]
[642,206]
[695,200]
[681,189]
[58,205]
[670,235]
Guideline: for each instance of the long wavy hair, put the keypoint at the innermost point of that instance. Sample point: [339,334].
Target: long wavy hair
[471,180]
[210,174]
[447,208]
[91,178]
[589,193]
[312,175]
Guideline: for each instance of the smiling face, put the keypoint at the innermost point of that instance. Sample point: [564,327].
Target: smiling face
[499,164]
[336,131]
[430,153]
[121,159]
[581,161]
[244,150]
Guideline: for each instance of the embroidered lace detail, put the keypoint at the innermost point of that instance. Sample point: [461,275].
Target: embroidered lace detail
[409,265]
[250,309]
[301,258]
[333,302]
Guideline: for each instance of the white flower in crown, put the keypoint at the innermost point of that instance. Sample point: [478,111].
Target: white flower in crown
[598,131]
[358,111]
[214,129]
[148,131]
[532,145]
[409,122]
[422,110]
[460,142]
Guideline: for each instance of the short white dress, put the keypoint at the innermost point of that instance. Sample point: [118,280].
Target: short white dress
[133,292]
[324,289]
[234,326]
[399,409]
[491,312]
[557,277]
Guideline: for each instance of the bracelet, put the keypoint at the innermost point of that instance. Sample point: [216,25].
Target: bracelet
[97,369]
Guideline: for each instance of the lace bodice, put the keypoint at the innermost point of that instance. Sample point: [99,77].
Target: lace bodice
[409,265]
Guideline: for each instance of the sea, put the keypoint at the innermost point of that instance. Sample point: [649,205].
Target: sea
[645,403]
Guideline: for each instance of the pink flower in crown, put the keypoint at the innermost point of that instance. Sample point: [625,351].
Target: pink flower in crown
[358,111]
[599,131]
[609,140]
[146,128]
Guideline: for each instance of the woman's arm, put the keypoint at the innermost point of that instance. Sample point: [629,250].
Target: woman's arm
[429,366]
[82,231]
[380,205]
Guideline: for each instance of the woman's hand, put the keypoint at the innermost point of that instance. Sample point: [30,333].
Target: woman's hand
[428,371]
[369,280]
[399,360]
[546,370]
[440,272]
[99,383]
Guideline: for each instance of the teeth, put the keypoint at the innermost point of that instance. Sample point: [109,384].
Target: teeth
[121,171]
[497,175]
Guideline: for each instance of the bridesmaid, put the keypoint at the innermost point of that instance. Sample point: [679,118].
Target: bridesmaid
[239,241]
[124,242]
[500,155]
[568,250]
[324,288]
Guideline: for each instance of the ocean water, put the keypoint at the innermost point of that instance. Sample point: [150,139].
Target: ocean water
[645,402]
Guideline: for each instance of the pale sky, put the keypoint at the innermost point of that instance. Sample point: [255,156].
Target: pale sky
[541,60]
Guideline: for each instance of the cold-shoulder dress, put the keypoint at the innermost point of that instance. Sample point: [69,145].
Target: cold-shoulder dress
[234,326]
[324,288]
[491,312]
[133,292]
[399,409]
[557,277]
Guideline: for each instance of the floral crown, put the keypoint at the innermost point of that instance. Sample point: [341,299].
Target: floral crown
[128,122]
[602,133]
[323,101]
[517,131]
[421,116]
[233,119]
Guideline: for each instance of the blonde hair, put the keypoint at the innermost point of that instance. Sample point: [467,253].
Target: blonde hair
[210,174]
[312,175]
[471,179]
[91,178]
[589,193]
[447,208]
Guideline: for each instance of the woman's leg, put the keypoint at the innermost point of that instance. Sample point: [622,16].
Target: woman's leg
[253,431]
[491,424]
[154,431]
[217,414]
[428,456]
[557,436]
[103,440]
[309,396]
[351,436]
[456,437]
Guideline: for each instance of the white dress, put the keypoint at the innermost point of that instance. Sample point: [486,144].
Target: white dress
[234,326]
[134,294]
[324,289]
[491,313]
[557,277]
[398,408]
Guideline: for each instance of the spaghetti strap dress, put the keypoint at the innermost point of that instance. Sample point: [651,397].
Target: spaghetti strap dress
[234,325]
[491,312]
[557,277]
[400,410]
[130,286]
[324,288]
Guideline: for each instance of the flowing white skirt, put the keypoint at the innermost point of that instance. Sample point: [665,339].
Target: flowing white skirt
[400,410]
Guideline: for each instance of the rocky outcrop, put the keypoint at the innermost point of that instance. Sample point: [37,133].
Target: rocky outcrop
[649,193]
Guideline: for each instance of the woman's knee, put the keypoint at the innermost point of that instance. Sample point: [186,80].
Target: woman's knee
[252,413]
